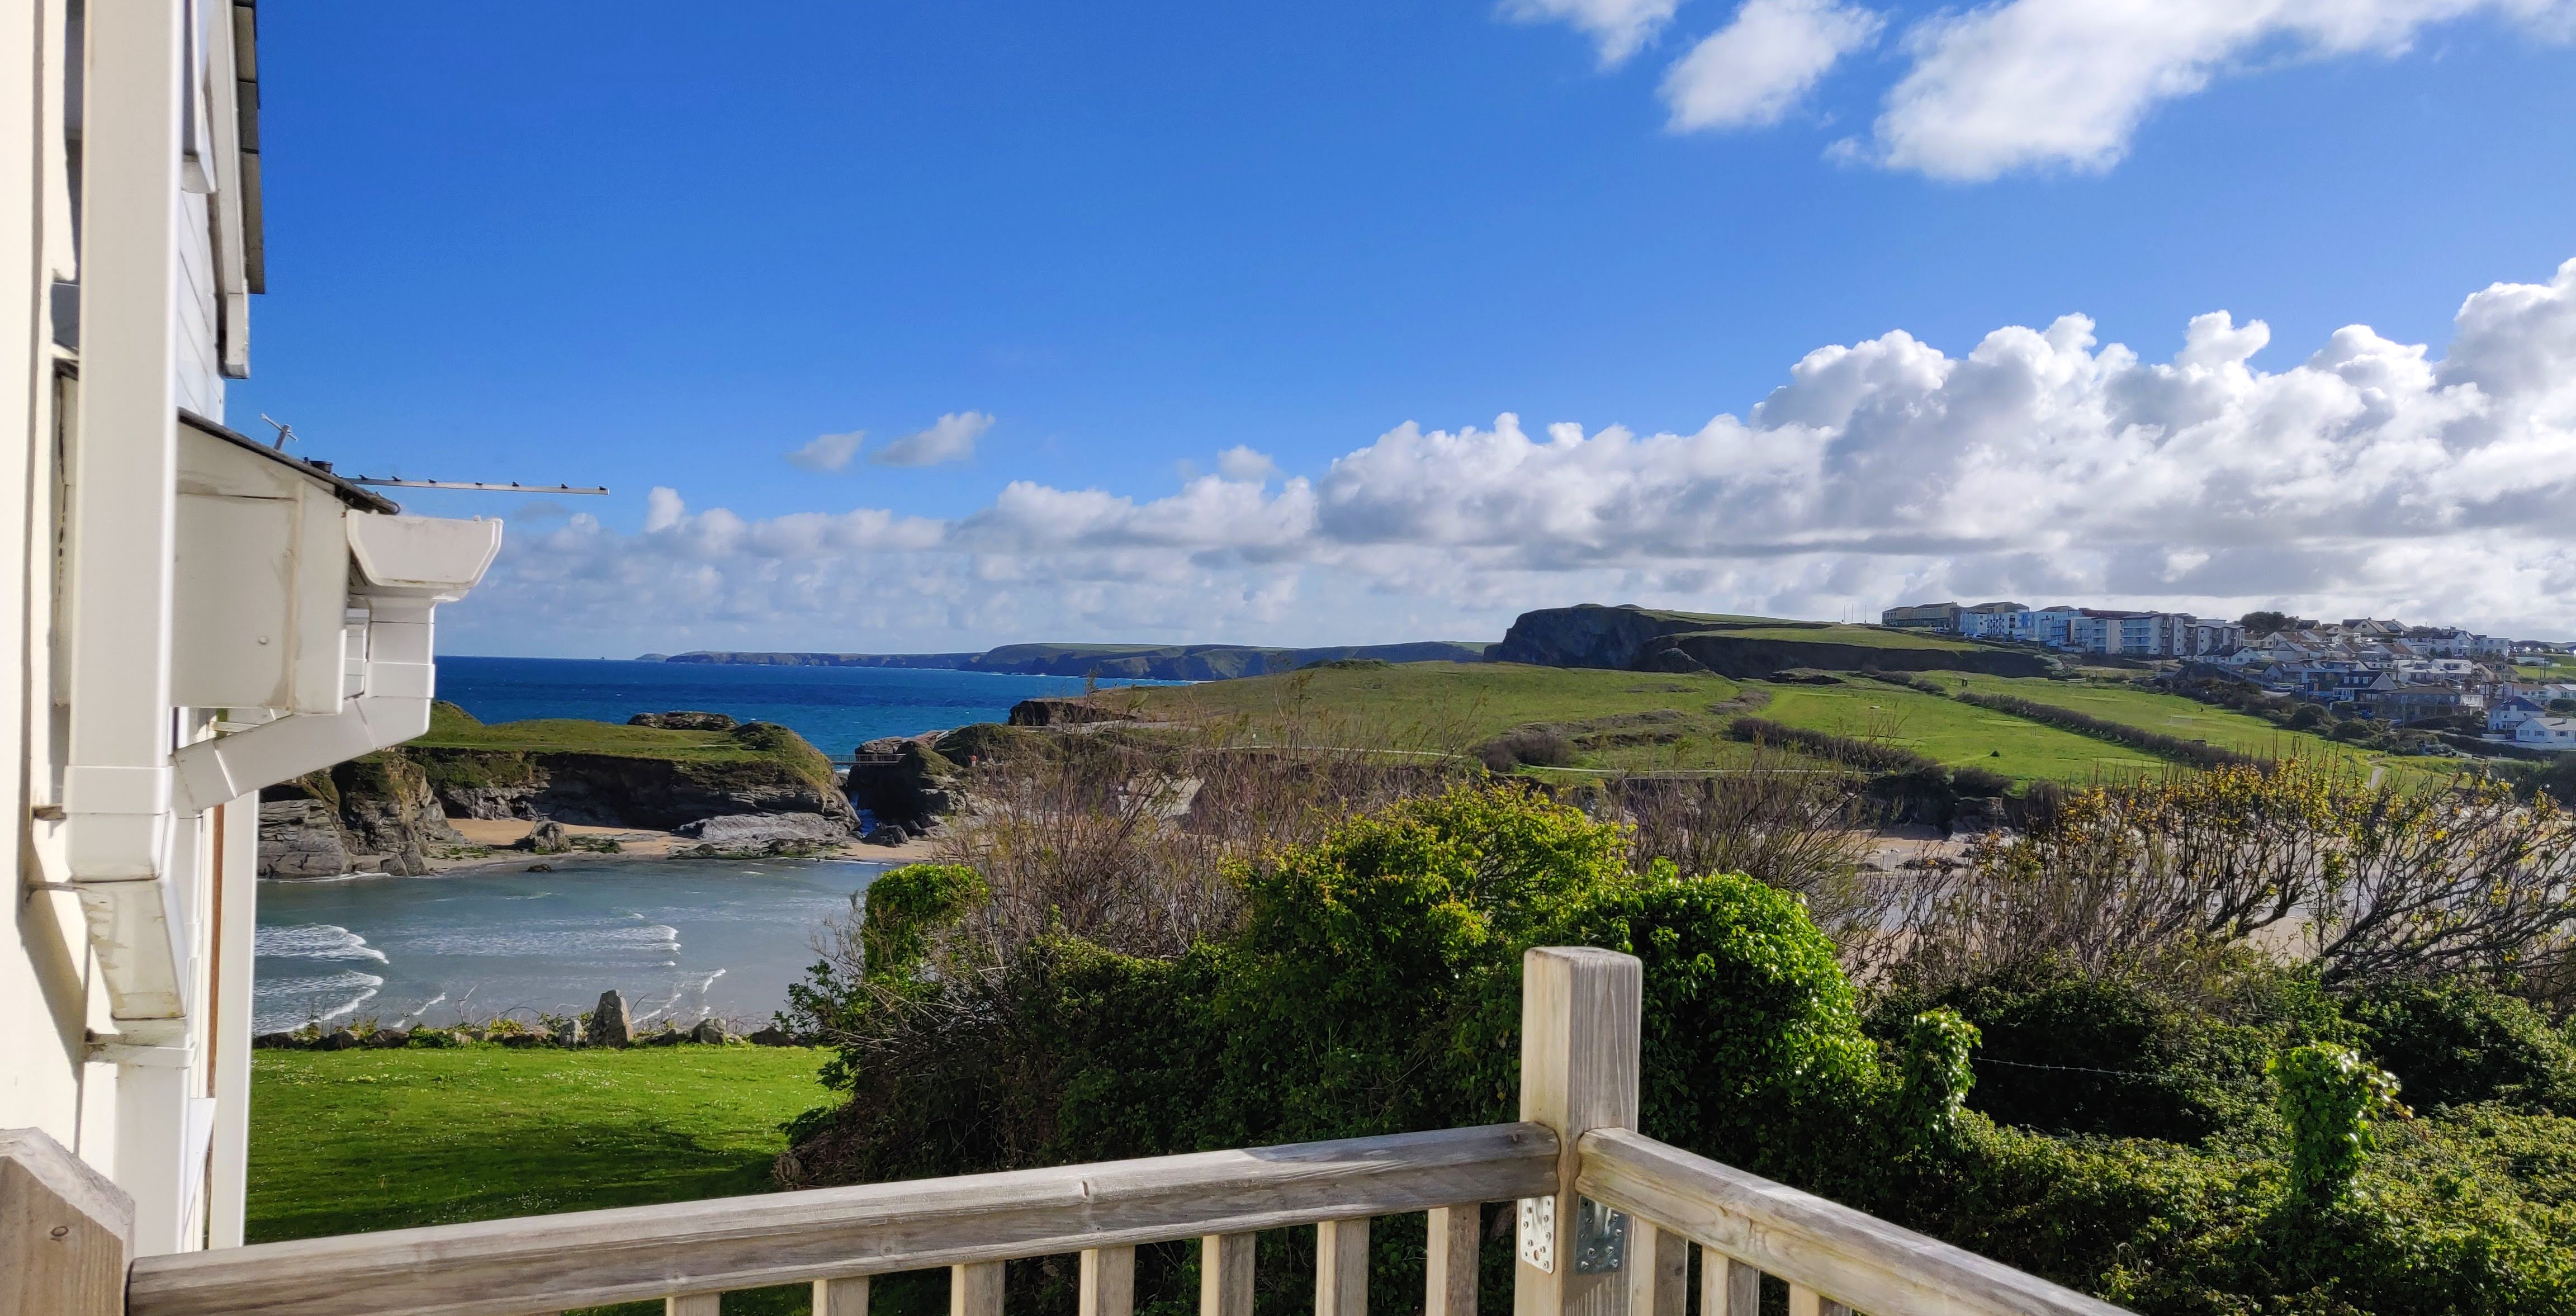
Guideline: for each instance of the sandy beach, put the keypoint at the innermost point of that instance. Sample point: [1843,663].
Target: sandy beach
[501,834]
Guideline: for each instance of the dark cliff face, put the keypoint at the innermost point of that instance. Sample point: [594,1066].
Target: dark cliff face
[1586,635]
[378,807]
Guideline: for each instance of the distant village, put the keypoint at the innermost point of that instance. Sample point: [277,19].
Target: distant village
[2359,667]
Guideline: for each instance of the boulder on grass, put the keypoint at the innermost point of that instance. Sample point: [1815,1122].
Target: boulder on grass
[708,1033]
[609,1023]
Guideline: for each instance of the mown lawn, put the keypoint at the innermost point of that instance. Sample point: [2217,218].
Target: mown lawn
[357,1141]
[354,1141]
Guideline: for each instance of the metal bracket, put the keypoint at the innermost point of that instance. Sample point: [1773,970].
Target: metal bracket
[1600,1238]
[1538,1232]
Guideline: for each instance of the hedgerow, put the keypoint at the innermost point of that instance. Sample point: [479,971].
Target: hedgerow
[2198,754]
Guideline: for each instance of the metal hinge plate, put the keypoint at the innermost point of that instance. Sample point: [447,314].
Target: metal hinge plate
[1538,1232]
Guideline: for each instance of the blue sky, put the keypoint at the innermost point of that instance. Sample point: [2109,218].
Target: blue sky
[663,246]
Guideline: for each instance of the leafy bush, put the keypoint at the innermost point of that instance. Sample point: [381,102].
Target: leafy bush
[2330,1098]
[2070,1052]
[2454,1043]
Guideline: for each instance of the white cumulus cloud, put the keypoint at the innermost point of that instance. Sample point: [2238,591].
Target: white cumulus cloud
[1753,70]
[950,439]
[1242,463]
[2066,82]
[2368,478]
[828,452]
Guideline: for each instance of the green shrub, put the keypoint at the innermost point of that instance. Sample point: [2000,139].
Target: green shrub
[2454,1043]
[906,906]
[2330,1097]
[2067,1052]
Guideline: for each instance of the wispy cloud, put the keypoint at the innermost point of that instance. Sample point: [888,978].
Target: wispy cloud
[1754,69]
[950,439]
[2015,84]
[1618,28]
[2368,478]
[829,452]
[2035,83]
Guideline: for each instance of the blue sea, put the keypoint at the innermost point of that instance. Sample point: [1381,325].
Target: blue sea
[682,938]
[837,708]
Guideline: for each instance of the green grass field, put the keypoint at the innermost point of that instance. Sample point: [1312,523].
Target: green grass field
[1955,733]
[1457,701]
[355,1141]
[2173,715]
[1868,637]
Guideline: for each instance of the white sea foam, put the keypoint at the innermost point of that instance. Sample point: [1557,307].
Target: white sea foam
[314,941]
[291,1002]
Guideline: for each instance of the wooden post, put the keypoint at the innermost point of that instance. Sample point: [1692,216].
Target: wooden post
[1728,1287]
[975,1289]
[841,1297]
[1108,1281]
[1341,1267]
[1580,1013]
[694,1304]
[1658,1271]
[1450,1287]
[1225,1275]
[65,1231]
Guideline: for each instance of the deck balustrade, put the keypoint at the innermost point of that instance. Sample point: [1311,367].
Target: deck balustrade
[1607,1222]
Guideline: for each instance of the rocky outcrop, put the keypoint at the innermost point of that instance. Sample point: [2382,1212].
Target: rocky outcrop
[376,811]
[746,829]
[778,774]
[684,721]
[301,838]
[1052,712]
[904,782]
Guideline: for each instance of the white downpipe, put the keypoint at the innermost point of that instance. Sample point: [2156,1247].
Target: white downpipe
[122,508]
[393,707]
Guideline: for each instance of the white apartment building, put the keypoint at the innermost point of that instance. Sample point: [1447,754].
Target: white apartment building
[188,615]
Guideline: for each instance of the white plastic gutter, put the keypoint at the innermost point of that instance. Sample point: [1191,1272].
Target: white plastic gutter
[406,567]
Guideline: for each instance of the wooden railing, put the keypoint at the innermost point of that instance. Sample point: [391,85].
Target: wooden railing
[1607,1218]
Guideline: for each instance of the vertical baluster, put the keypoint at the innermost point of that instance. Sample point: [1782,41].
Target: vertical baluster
[1728,1287]
[975,1289]
[1225,1275]
[1341,1267]
[841,1297]
[1804,1301]
[1108,1281]
[1658,1266]
[693,1304]
[1450,1284]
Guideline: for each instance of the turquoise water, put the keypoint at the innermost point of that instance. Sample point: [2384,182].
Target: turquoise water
[834,707]
[682,938]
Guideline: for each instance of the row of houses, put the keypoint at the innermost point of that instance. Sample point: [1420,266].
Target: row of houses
[2073,629]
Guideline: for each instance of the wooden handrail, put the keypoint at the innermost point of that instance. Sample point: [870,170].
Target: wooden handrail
[1847,1256]
[545,1264]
